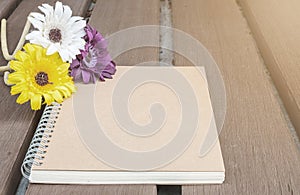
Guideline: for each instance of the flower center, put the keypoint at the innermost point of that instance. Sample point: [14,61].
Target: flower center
[41,78]
[55,35]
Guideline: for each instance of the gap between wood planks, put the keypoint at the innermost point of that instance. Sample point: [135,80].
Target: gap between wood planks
[166,57]
[274,89]
[166,36]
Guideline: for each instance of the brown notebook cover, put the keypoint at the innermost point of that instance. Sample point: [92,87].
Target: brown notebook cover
[70,159]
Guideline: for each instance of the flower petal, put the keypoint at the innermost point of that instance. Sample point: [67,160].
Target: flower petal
[32,35]
[51,49]
[65,91]
[71,86]
[18,88]
[21,56]
[63,68]
[23,97]
[64,55]
[29,48]
[36,101]
[48,99]
[36,23]
[57,96]
[85,76]
[16,65]
[16,77]
[38,16]
[47,9]
[78,26]
[74,19]
[58,10]
[67,13]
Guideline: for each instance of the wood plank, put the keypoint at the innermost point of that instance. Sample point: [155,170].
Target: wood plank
[18,122]
[109,17]
[7,7]
[259,153]
[92,189]
[276,28]
[112,16]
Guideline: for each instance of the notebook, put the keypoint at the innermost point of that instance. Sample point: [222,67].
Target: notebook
[144,126]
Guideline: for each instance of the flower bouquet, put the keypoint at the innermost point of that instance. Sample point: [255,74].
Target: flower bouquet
[62,49]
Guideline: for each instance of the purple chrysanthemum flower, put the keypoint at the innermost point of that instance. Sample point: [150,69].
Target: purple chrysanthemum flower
[94,61]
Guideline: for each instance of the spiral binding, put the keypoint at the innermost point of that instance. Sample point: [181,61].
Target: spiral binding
[39,143]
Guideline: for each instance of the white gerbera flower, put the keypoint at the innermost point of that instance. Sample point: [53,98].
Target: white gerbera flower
[58,31]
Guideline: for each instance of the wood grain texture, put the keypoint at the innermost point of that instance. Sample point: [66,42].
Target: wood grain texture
[259,153]
[114,15]
[7,7]
[276,28]
[92,189]
[18,122]
[108,17]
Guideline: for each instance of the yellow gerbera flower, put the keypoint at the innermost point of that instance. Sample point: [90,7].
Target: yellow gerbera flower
[39,77]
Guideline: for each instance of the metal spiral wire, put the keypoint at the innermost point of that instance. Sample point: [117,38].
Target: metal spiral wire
[39,143]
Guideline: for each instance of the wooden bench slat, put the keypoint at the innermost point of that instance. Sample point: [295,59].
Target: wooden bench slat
[92,189]
[112,16]
[259,153]
[109,17]
[7,7]
[18,122]
[276,28]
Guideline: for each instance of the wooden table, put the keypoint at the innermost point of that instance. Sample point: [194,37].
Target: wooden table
[257,47]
